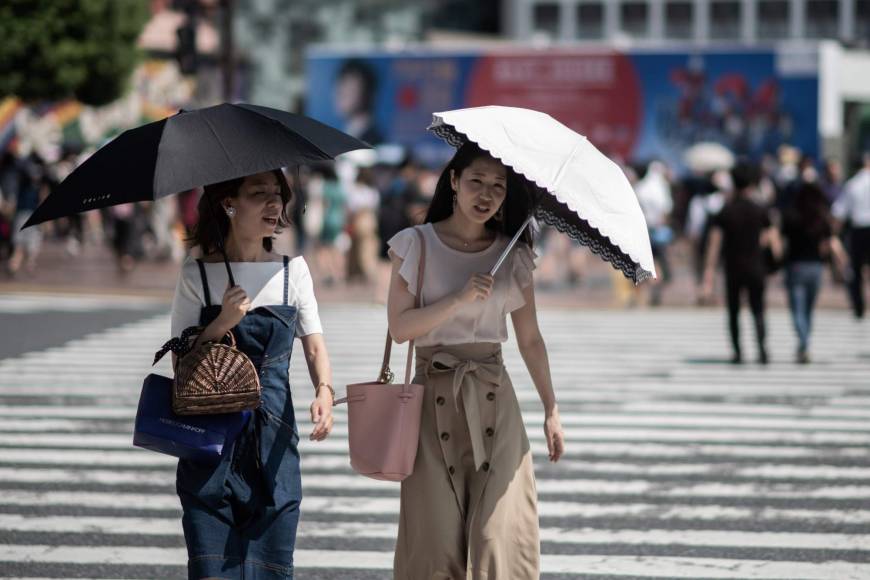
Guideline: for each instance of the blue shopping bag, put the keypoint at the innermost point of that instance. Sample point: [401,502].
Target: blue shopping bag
[202,438]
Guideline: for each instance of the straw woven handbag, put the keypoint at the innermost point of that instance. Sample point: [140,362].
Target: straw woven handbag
[214,377]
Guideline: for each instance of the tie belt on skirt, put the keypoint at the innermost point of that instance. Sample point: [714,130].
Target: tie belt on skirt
[472,364]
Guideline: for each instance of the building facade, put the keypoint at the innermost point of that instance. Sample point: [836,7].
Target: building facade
[701,21]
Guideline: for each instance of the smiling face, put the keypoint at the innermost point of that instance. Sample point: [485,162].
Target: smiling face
[258,206]
[480,189]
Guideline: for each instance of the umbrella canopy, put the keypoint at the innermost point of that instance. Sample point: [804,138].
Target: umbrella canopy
[191,149]
[708,157]
[582,193]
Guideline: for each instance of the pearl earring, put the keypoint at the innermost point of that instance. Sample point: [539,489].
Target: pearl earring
[231,212]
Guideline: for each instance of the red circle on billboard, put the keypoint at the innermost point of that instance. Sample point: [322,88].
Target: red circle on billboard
[596,94]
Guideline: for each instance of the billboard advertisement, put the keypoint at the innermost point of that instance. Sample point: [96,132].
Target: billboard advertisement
[635,105]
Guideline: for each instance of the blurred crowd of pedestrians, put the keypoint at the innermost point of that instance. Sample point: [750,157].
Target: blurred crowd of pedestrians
[786,213]
[783,214]
[134,231]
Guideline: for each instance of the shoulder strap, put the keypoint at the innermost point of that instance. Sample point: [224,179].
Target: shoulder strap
[418,301]
[286,280]
[206,293]
[386,374]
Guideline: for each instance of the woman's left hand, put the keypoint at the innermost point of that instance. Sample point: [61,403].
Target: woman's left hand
[321,415]
[554,434]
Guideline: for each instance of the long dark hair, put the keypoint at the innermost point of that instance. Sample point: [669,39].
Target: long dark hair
[811,208]
[214,219]
[517,202]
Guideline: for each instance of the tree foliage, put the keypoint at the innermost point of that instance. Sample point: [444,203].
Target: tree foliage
[55,49]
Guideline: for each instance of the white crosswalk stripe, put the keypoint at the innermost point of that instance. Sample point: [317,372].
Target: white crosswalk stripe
[678,465]
[28,302]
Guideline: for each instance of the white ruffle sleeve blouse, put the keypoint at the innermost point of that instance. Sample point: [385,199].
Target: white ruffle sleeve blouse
[448,270]
[263,282]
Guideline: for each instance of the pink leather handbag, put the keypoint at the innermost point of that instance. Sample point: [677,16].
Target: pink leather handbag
[383,419]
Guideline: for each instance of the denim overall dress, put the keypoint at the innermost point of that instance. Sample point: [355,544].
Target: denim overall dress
[240,516]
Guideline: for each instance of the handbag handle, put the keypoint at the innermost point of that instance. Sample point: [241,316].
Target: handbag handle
[182,345]
[201,329]
[386,376]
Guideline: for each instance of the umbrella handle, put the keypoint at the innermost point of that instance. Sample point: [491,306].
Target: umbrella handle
[510,246]
[221,241]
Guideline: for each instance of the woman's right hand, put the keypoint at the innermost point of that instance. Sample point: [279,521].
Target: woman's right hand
[478,287]
[234,306]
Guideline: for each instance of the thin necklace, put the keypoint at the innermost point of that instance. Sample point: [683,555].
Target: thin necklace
[465,243]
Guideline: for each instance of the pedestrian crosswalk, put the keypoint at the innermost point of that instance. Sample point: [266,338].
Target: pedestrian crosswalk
[678,465]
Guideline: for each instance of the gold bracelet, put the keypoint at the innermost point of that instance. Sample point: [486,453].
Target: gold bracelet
[328,386]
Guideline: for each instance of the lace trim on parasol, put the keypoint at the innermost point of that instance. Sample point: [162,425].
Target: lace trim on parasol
[600,245]
[605,249]
[449,134]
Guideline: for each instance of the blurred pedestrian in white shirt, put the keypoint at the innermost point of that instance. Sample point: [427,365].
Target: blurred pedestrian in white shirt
[654,194]
[853,208]
[702,207]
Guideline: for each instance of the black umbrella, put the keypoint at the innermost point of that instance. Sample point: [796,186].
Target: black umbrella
[191,149]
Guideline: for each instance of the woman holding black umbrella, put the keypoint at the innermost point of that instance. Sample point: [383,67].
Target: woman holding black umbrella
[240,516]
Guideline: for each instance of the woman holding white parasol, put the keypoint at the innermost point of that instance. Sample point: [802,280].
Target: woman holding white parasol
[470,507]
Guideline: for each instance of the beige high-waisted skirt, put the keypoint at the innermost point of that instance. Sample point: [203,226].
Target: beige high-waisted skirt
[469,510]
